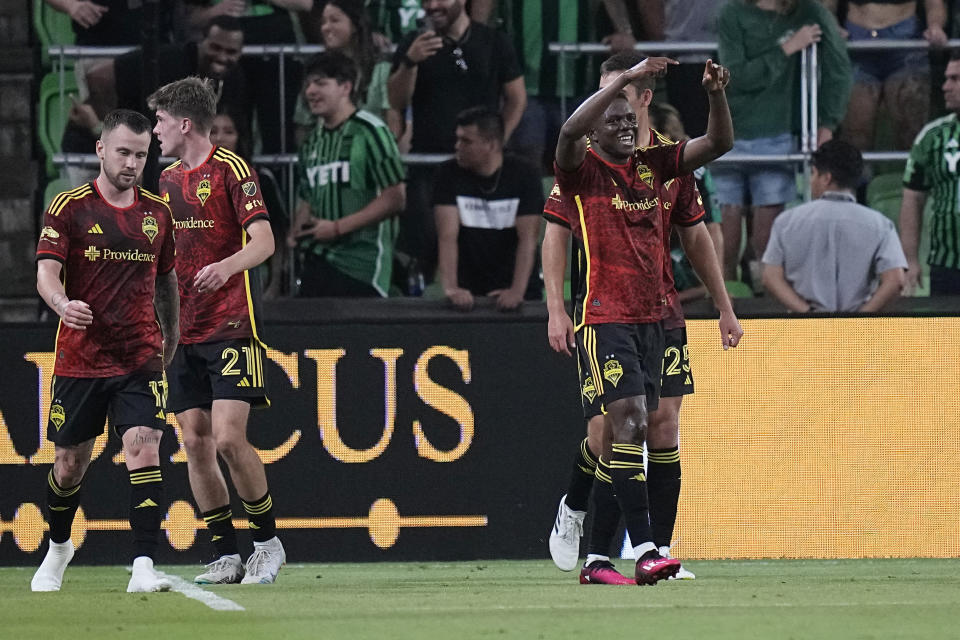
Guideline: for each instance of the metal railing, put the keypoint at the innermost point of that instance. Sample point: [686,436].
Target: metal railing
[809,71]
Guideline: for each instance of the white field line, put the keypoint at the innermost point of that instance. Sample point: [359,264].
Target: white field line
[194,592]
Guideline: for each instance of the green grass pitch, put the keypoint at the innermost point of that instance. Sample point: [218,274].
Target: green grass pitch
[781,599]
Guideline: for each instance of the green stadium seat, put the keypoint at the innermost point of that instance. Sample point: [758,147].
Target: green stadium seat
[55,186]
[53,27]
[52,113]
[738,289]
[884,193]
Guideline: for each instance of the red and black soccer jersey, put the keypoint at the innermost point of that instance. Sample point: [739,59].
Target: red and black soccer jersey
[682,205]
[618,211]
[111,258]
[212,204]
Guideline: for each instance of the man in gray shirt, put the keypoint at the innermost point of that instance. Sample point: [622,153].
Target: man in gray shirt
[828,254]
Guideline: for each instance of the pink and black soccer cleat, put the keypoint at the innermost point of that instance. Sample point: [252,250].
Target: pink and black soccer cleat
[602,572]
[652,570]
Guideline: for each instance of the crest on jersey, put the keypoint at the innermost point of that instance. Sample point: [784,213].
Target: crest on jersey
[57,415]
[589,390]
[644,173]
[49,232]
[612,371]
[203,191]
[555,192]
[249,188]
[149,227]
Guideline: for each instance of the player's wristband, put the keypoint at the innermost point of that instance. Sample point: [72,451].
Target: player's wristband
[336,228]
[408,61]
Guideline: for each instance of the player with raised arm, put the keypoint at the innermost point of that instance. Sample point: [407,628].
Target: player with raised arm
[223,232]
[681,206]
[105,265]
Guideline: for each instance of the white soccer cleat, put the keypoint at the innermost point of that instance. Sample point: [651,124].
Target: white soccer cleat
[225,570]
[682,573]
[565,536]
[264,563]
[49,576]
[144,579]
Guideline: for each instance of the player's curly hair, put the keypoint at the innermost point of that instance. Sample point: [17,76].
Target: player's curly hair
[191,98]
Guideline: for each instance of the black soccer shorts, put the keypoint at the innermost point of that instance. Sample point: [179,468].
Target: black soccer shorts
[79,407]
[675,378]
[226,370]
[619,361]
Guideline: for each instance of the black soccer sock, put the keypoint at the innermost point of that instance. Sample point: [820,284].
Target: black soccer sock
[581,479]
[146,510]
[222,534]
[62,506]
[605,511]
[630,485]
[663,487]
[260,512]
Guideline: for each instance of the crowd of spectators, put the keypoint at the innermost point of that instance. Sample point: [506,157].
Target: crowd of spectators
[474,80]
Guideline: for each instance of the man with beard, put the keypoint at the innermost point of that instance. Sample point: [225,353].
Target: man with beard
[104,258]
[451,64]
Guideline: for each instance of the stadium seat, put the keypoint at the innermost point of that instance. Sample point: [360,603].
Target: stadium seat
[884,193]
[52,114]
[55,186]
[52,27]
[738,289]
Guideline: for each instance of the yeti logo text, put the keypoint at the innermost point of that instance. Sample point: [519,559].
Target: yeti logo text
[332,172]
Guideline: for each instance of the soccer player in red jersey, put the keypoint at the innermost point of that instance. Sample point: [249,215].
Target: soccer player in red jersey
[105,261]
[223,232]
[627,333]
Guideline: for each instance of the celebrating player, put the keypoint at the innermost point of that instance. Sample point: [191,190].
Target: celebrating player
[223,232]
[104,259]
[682,197]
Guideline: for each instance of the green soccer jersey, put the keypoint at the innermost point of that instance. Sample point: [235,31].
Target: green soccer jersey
[341,171]
[933,167]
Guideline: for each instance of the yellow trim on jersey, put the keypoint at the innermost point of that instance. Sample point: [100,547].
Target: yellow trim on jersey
[239,166]
[154,197]
[586,250]
[253,321]
[172,165]
[58,203]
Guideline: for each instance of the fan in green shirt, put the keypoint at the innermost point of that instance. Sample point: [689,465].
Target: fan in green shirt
[350,185]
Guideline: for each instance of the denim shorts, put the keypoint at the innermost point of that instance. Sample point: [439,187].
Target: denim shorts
[874,67]
[757,184]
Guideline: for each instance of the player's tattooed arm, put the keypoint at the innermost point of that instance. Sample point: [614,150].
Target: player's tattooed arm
[75,314]
[166,299]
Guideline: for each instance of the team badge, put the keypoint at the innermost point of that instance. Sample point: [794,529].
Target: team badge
[589,390]
[249,188]
[203,191]
[555,192]
[644,173]
[57,416]
[49,232]
[149,227]
[612,371]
